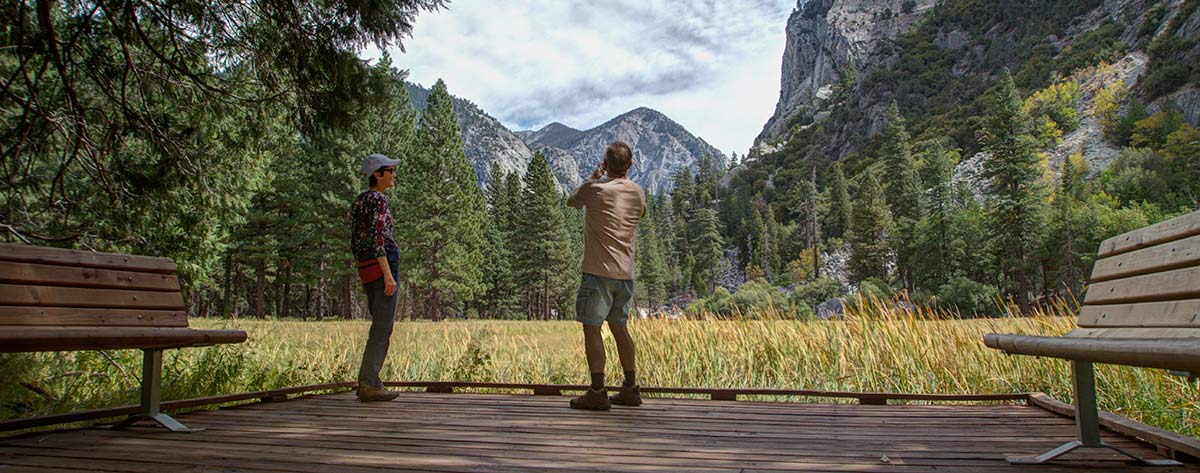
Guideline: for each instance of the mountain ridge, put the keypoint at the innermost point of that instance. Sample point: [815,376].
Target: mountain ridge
[661,145]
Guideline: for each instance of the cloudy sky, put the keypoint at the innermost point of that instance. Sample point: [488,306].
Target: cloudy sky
[711,65]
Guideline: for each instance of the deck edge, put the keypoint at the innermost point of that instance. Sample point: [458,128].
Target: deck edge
[1123,425]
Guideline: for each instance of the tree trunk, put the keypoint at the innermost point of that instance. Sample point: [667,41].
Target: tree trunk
[237,288]
[348,298]
[260,288]
[1023,285]
[812,226]
[228,287]
[278,289]
[285,297]
[321,290]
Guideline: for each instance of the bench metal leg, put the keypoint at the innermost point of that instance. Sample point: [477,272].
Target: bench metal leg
[1087,420]
[151,396]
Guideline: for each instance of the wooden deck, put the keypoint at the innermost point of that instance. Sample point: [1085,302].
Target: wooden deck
[514,432]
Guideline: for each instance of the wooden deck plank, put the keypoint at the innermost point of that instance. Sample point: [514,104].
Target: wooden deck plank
[464,460]
[570,419]
[509,433]
[623,456]
[755,451]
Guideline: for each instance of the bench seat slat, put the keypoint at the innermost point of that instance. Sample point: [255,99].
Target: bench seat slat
[36,339]
[55,296]
[67,316]
[87,259]
[1135,332]
[1170,255]
[1168,285]
[1179,227]
[49,275]
[1171,354]
[1184,313]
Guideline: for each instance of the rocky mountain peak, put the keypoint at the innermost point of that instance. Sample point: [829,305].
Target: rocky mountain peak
[661,146]
[829,41]
[555,134]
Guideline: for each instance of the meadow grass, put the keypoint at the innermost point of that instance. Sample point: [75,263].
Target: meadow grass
[886,351]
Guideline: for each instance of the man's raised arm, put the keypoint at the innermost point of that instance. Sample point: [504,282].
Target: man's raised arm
[579,196]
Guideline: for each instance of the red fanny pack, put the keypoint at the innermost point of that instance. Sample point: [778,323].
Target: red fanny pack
[369,270]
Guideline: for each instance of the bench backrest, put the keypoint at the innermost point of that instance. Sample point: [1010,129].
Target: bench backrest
[1146,284]
[42,286]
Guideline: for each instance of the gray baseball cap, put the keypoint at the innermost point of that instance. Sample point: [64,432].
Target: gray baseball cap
[375,161]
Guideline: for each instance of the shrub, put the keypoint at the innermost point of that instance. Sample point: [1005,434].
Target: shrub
[1106,103]
[968,297]
[757,296]
[1152,132]
[1056,102]
[874,288]
[720,302]
[818,290]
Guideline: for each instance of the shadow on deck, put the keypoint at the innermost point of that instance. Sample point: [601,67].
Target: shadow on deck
[423,431]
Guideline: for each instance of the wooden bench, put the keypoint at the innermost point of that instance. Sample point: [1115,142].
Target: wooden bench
[53,299]
[1142,308]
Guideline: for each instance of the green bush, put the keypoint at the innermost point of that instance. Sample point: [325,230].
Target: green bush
[817,291]
[758,295]
[874,288]
[968,297]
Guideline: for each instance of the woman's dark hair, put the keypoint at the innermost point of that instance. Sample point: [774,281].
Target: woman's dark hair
[372,181]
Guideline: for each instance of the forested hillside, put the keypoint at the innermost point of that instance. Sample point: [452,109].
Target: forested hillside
[984,152]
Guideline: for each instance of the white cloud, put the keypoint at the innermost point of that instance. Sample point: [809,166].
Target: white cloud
[713,66]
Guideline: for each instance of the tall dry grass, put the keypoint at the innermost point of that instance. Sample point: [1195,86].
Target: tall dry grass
[875,348]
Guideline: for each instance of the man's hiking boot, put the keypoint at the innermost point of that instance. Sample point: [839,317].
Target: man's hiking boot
[593,400]
[368,393]
[629,396]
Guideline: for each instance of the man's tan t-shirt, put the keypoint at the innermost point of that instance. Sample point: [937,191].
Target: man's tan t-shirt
[613,209]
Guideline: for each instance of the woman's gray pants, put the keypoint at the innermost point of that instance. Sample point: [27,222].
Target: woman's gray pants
[383,317]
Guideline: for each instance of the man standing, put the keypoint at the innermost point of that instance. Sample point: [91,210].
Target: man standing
[614,205]
[378,265]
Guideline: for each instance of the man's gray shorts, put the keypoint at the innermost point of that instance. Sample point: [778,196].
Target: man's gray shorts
[600,298]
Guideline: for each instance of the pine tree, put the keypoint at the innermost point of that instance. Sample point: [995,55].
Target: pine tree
[707,251]
[938,241]
[902,191]
[683,201]
[444,209]
[1069,199]
[839,204]
[706,177]
[772,265]
[652,277]
[1014,169]
[568,281]
[903,188]
[544,249]
[756,229]
[806,201]
[508,219]
[870,232]
[498,257]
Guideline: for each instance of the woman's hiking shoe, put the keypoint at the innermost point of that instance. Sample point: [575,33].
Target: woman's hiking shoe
[592,400]
[368,393]
[629,396]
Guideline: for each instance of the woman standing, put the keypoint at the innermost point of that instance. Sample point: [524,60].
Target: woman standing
[378,263]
